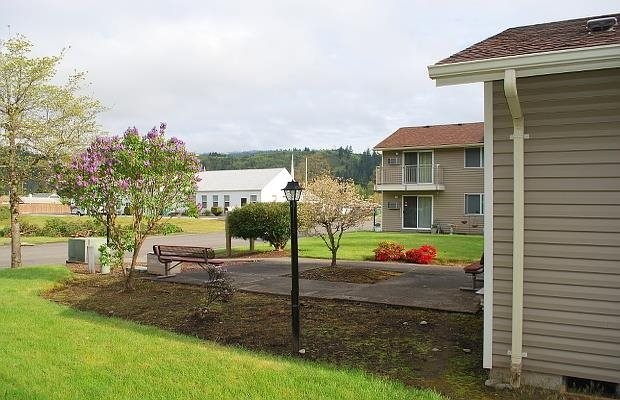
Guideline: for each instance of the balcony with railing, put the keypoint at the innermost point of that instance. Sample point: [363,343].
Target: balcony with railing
[409,177]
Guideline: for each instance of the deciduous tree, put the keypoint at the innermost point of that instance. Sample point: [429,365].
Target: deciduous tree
[331,206]
[148,173]
[39,120]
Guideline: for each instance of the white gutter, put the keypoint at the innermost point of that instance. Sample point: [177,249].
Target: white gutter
[543,63]
[518,136]
[487,352]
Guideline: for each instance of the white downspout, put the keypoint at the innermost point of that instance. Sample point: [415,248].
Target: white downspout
[518,136]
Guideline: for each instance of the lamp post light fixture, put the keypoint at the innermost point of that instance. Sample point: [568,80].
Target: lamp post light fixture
[292,192]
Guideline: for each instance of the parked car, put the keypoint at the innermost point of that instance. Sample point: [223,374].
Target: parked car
[75,210]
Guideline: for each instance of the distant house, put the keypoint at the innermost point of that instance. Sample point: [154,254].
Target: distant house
[432,176]
[552,199]
[235,188]
[39,203]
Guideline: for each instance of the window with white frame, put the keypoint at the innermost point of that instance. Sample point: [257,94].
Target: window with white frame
[226,201]
[474,157]
[253,198]
[216,201]
[204,201]
[474,204]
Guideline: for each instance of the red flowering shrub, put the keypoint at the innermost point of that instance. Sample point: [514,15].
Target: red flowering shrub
[389,251]
[423,255]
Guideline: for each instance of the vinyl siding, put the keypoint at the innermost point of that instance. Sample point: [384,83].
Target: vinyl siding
[448,204]
[572,225]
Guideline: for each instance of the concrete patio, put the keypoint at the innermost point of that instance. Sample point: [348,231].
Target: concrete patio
[421,286]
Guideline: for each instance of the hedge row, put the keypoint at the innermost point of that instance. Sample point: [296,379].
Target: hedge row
[58,227]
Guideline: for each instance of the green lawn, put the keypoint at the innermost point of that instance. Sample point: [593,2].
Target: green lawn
[451,249]
[34,240]
[50,351]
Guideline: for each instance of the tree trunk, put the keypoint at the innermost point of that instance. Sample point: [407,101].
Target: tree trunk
[334,251]
[132,267]
[16,243]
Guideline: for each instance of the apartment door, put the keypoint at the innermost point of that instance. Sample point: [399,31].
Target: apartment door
[244,201]
[417,212]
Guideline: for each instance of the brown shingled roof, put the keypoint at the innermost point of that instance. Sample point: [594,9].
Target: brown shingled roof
[552,36]
[435,135]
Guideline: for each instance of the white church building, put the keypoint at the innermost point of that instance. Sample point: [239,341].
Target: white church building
[235,188]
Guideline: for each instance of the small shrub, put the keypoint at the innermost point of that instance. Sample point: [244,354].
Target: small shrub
[5,231]
[423,255]
[58,227]
[167,228]
[5,213]
[205,211]
[217,211]
[389,251]
[268,221]
[218,287]
[28,229]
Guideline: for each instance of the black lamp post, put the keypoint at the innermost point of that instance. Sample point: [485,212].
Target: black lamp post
[292,191]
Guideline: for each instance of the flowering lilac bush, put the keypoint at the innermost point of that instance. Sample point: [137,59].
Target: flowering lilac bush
[146,173]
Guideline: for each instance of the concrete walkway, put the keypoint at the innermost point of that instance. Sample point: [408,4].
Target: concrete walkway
[422,286]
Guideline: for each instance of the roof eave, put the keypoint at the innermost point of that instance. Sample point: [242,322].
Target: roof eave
[439,146]
[552,62]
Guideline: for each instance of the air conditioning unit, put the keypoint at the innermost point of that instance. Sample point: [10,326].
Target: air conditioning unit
[78,248]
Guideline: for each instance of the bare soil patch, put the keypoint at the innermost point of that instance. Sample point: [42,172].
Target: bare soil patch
[350,275]
[423,348]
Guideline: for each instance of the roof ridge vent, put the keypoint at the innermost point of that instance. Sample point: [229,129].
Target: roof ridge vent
[601,24]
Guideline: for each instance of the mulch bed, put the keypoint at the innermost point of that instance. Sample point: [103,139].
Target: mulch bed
[423,348]
[350,275]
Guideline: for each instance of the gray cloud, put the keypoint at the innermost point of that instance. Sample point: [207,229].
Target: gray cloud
[242,75]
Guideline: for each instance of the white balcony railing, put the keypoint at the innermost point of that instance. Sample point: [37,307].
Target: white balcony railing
[409,175]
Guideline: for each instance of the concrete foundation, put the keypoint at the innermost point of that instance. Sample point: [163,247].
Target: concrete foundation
[546,381]
[153,266]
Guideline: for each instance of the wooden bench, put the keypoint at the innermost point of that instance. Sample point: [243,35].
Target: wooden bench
[474,269]
[167,255]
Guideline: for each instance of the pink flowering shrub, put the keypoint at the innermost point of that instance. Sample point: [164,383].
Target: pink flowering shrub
[147,173]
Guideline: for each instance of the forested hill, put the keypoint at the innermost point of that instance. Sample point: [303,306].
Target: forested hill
[341,162]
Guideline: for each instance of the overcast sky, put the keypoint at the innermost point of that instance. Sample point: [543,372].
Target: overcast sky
[253,75]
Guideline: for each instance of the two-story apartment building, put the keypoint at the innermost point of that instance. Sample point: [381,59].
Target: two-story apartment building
[432,177]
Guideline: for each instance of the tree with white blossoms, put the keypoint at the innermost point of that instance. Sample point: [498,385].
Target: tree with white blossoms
[148,173]
[331,206]
[39,120]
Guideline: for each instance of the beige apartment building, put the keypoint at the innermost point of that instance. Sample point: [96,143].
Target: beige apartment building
[431,179]
[552,200]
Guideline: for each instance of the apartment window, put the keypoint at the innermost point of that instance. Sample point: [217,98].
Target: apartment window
[474,204]
[474,157]
[204,201]
[226,201]
[253,198]
[216,202]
